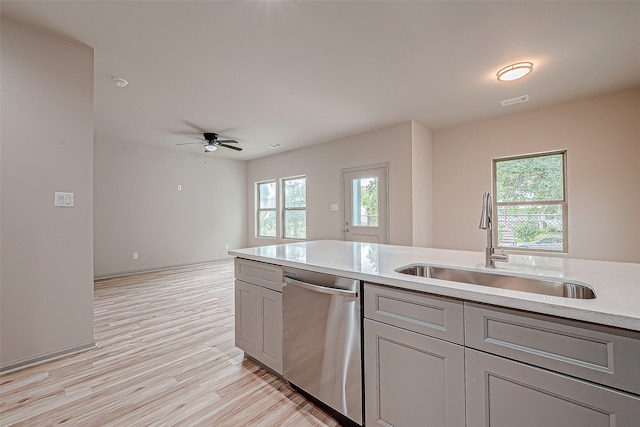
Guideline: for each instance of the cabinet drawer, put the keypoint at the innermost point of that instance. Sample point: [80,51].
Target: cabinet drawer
[259,273]
[601,354]
[426,314]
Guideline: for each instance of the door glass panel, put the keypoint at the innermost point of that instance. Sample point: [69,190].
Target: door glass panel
[365,202]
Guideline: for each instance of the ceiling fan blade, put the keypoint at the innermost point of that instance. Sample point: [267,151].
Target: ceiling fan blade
[228,141]
[193,126]
[231,146]
[202,141]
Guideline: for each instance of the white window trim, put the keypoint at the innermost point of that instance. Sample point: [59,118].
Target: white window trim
[564,202]
[284,209]
[259,209]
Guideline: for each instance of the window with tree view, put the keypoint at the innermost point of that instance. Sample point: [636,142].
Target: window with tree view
[531,202]
[294,209]
[266,215]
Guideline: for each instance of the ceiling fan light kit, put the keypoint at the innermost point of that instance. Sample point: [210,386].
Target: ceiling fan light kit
[211,142]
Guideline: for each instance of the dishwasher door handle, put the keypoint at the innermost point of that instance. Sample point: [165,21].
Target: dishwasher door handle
[322,289]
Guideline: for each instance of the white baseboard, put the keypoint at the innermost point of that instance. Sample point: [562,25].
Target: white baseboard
[26,362]
[150,270]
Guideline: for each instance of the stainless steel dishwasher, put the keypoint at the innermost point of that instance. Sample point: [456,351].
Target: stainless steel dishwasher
[321,339]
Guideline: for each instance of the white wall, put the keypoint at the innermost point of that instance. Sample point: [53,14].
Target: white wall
[322,165]
[137,207]
[602,136]
[46,291]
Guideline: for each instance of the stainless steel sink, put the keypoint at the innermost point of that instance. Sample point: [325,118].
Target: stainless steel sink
[543,286]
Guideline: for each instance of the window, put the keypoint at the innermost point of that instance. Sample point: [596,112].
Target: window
[294,209]
[531,201]
[266,201]
[365,202]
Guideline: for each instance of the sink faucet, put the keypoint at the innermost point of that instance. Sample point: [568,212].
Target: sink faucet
[486,223]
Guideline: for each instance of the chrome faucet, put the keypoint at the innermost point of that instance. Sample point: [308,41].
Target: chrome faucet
[486,223]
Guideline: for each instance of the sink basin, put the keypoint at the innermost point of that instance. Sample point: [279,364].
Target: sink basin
[543,286]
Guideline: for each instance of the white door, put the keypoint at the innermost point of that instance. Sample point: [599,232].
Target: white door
[365,205]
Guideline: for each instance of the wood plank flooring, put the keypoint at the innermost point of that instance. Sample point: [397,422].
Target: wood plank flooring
[165,356]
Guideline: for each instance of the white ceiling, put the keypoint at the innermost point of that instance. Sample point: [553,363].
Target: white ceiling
[305,72]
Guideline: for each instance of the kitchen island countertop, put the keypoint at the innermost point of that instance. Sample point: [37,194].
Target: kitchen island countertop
[617,285]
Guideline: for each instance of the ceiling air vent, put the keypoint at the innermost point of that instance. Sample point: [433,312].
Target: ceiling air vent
[516,100]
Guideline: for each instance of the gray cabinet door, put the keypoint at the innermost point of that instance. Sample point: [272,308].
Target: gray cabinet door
[245,321]
[269,336]
[504,393]
[412,379]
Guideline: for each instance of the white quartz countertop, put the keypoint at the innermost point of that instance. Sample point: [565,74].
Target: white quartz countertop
[617,285]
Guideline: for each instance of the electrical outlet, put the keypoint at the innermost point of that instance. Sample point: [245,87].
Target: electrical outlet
[135,255]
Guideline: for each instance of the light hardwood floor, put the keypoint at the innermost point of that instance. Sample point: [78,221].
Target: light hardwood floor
[165,356]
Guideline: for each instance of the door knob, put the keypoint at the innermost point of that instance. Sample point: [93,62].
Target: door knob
[346,230]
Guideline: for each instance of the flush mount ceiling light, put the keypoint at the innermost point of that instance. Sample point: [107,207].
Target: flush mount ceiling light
[274,146]
[120,82]
[514,71]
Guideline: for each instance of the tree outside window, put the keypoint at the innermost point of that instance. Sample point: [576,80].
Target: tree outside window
[266,215]
[294,210]
[365,209]
[531,202]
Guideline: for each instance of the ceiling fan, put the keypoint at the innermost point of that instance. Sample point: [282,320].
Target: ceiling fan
[211,142]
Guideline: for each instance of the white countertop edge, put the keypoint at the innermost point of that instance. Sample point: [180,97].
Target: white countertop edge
[577,309]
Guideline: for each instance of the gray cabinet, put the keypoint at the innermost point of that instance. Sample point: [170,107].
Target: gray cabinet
[431,315]
[246,316]
[504,393]
[269,336]
[596,353]
[258,312]
[547,371]
[433,361]
[412,379]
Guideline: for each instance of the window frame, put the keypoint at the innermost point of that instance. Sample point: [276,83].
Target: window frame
[259,208]
[563,203]
[284,209]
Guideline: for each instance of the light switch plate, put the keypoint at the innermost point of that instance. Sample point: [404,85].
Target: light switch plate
[63,200]
[334,207]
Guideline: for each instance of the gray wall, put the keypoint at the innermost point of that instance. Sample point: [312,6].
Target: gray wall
[46,304]
[138,207]
[422,185]
[602,136]
[322,164]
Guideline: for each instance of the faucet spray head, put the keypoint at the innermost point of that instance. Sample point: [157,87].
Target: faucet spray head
[485,216]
